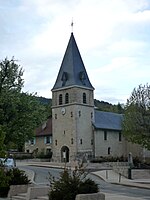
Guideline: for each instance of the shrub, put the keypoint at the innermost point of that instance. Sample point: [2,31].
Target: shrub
[70,184]
[102,159]
[4,183]
[11,177]
[88,186]
[43,155]
[18,177]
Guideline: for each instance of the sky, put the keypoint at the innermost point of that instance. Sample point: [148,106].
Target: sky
[113,37]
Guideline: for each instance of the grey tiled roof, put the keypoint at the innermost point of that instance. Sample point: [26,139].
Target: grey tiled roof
[72,71]
[108,120]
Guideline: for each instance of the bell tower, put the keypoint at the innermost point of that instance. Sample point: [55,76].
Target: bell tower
[72,108]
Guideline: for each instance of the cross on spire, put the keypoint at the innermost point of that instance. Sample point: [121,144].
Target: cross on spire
[72,26]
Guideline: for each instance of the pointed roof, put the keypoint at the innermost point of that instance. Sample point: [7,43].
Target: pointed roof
[72,71]
[44,130]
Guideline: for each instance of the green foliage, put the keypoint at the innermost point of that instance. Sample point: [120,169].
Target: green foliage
[10,76]
[44,155]
[4,183]
[47,103]
[11,177]
[88,186]
[136,124]
[4,179]
[44,100]
[2,138]
[102,159]
[70,184]
[28,114]
[17,177]
[108,107]
[20,113]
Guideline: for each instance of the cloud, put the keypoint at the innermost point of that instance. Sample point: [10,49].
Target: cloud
[112,36]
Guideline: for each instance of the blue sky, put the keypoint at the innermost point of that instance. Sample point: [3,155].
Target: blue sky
[113,37]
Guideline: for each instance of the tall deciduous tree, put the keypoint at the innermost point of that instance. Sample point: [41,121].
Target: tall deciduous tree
[136,124]
[20,113]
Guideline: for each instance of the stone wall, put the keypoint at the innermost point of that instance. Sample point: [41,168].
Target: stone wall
[140,173]
[94,196]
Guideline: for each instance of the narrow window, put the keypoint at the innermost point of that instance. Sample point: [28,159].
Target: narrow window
[109,150]
[120,137]
[56,142]
[55,116]
[105,135]
[71,114]
[64,132]
[71,140]
[84,98]
[91,115]
[92,142]
[66,98]
[79,113]
[60,99]
[80,141]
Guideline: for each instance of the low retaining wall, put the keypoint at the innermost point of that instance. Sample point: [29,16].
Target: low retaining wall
[16,189]
[140,173]
[34,192]
[93,196]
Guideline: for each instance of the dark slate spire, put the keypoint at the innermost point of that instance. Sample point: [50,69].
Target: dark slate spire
[72,71]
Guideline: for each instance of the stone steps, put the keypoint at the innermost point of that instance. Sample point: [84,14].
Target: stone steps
[32,193]
[41,198]
[21,196]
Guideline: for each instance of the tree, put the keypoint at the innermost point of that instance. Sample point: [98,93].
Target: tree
[71,183]
[136,124]
[2,138]
[20,113]
[10,76]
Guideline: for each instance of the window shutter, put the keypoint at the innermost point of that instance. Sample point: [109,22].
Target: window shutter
[45,140]
[34,140]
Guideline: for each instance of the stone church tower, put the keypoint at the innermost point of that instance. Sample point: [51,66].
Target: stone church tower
[72,108]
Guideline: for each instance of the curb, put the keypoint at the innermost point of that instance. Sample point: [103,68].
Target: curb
[124,184]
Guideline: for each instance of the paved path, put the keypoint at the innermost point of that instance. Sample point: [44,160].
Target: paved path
[113,177]
[107,175]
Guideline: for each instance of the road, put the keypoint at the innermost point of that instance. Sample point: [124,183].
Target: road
[42,174]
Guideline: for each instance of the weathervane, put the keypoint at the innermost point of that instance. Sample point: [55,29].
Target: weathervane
[72,26]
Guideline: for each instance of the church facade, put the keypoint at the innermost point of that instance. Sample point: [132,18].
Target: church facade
[77,128]
[72,107]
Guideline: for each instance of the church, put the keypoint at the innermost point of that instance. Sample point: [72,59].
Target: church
[77,129]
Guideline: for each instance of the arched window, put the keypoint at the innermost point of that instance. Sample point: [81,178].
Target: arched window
[60,99]
[66,98]
[84,97]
